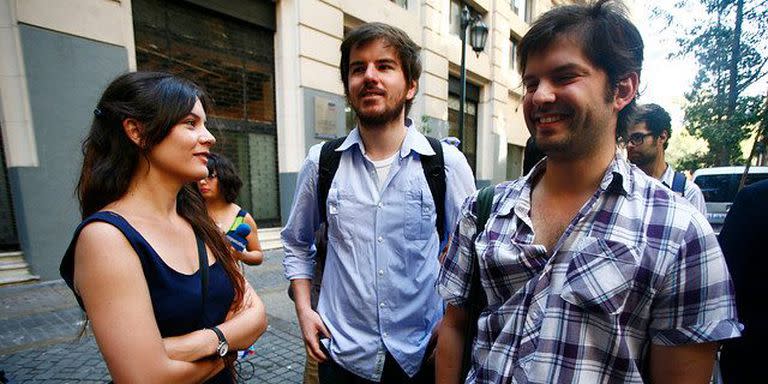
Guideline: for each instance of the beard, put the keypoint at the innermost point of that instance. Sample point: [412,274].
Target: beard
[380,118]
[641,159]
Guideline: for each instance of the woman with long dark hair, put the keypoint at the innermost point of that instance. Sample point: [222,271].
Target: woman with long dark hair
[220,189]
[156,278]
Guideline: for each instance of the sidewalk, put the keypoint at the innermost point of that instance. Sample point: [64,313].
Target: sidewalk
[39,324]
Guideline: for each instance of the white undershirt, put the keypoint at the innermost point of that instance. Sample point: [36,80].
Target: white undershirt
[382,168]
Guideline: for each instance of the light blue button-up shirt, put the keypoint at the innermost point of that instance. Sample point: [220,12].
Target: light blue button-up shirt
[378,292]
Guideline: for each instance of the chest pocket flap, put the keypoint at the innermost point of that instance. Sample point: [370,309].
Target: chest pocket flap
[418,215]
[600,275]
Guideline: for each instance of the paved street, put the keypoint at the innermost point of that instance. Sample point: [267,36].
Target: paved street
[39,325]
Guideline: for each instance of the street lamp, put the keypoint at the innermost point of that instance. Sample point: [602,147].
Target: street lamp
[478,34]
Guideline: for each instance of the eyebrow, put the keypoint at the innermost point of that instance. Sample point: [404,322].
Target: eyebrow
[380,61]
[563,68]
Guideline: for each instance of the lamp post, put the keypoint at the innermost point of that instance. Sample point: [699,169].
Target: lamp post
[478,34]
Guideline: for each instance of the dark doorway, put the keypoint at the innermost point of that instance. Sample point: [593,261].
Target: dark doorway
[8,238]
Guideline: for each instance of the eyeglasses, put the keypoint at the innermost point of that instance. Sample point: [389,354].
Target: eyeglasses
[638,138]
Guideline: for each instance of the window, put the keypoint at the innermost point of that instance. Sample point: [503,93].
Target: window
[514,161]
[469,138]
[236,69]
[454,25]
[528,12]
[402,3]
[515,5]
[512,52]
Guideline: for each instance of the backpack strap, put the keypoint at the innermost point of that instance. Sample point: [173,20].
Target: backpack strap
[476,301]
[434,172]
[678,183]
[329,163]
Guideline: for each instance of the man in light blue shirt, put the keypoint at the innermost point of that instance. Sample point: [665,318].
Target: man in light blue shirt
[378,306]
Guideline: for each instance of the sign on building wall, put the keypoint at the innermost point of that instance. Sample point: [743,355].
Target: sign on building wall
[326,115]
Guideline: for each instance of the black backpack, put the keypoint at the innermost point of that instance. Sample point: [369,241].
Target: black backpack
[476,300]
[434,171]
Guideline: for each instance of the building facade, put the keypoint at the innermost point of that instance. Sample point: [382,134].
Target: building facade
[272,70]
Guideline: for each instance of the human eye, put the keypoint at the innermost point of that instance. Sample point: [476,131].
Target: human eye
[566,77]
[530,86]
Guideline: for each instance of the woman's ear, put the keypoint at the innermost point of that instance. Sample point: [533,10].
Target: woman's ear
[133,130]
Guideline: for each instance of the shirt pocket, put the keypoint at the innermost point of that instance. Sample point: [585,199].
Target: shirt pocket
[600,276]
[337,227]
[419,214]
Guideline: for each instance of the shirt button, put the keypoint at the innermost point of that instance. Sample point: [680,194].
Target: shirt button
[382,305]
[379,205]
[385,334]
[380,239]
[381,272]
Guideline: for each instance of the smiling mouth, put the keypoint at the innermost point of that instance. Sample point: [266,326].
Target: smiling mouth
[547,119]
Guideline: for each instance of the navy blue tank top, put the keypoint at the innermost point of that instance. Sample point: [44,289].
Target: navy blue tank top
[176,297]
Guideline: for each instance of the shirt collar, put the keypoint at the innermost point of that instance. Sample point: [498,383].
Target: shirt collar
[668,176]
[617,179]
[414,141]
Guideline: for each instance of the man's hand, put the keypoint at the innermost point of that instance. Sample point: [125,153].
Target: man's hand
[311,328]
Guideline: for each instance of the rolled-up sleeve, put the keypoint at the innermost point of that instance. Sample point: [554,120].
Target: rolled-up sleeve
[298,236]
[454,279]
[696,302]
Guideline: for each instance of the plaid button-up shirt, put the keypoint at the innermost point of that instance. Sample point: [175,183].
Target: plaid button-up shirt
[635,266]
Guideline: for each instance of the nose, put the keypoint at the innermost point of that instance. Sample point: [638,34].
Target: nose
[370,72]
[207,137]
[543,94]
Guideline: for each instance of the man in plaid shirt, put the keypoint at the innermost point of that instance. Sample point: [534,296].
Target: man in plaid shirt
[593,271]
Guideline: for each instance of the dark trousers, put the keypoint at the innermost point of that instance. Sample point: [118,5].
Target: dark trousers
[332,373]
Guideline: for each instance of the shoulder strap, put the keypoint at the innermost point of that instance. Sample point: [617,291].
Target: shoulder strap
[434,172]
[476,300]
[484,202]
[202,256]
[329,163]
[678,183]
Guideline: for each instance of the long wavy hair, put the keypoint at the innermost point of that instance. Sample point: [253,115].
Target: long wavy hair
[158,101]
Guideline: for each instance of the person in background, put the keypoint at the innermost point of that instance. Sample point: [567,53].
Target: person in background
[743,241]
[220,189]
[652,120]
[592,271]
[165,297]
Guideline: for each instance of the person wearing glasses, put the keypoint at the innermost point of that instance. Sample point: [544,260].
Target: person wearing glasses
[648,137]
[220,190]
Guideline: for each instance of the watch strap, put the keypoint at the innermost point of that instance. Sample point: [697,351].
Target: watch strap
[219,334]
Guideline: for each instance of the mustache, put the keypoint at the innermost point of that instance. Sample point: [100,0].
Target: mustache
[372,90]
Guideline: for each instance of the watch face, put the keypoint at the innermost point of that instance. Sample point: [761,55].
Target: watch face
[223,348]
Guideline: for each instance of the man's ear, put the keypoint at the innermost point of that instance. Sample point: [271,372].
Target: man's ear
[133,130]
[626,90]
[663,137]
[412,90]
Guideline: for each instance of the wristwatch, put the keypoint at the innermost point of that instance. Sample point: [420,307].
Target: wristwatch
[223,347]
